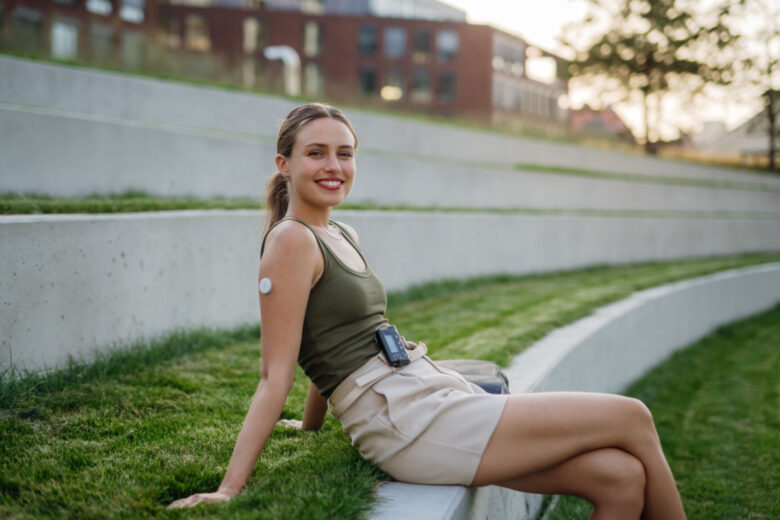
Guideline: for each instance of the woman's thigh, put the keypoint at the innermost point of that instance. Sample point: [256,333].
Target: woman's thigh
[539,431]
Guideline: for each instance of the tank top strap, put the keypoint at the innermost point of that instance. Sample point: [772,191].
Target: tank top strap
[323,247]
[347,235]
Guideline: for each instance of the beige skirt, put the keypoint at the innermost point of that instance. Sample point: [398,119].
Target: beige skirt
[420,423]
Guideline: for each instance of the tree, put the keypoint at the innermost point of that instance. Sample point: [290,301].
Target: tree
[759,66]
[649,48]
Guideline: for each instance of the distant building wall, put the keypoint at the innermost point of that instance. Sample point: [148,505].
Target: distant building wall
[413,55]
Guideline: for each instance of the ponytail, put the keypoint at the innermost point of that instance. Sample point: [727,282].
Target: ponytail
[278,198]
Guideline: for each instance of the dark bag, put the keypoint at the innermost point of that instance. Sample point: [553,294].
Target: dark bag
[485,374]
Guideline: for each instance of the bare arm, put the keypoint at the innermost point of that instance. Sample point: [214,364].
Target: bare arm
[314,410]
[282,316]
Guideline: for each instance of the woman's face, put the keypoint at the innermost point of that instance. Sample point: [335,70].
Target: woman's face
[321,166]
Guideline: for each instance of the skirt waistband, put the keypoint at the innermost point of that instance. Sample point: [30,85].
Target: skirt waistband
[355,384]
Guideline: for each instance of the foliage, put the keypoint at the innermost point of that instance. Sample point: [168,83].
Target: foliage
[648,48]
[759,61]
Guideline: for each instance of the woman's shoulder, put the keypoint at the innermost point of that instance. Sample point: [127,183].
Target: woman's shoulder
[289,237]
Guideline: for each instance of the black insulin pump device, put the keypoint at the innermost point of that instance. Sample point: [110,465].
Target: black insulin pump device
[393,346]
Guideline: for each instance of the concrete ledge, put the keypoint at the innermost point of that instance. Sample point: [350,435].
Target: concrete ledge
[155,103]
[73,283]
[603,352]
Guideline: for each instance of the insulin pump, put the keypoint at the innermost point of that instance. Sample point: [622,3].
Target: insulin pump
[393,346]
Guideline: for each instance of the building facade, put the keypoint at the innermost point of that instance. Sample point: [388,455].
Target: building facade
[412,55]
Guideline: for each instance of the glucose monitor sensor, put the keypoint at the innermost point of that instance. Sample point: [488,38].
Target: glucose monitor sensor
[265,286]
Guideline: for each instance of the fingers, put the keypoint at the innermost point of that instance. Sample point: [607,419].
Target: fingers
[291,423]
[198,498]
[190,501]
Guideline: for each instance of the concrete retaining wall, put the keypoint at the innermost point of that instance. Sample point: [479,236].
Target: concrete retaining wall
[603,352]
[73,283]
[110,132]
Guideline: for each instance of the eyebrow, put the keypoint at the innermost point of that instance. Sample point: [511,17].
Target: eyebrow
[323,145]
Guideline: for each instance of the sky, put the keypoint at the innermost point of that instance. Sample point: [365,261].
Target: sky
[539,22]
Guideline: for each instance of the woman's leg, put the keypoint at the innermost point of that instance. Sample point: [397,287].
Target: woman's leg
[539,431]
[610,479]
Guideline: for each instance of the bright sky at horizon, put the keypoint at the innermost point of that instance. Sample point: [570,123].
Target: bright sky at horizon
[540,23]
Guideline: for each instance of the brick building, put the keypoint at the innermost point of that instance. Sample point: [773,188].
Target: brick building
[440,66]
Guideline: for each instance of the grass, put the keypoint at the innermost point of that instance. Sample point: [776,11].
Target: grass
[717,409]
[140,201]
[122,437]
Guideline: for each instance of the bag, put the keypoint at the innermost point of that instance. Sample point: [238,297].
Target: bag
[484,374]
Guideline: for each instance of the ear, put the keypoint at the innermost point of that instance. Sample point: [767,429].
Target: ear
[281,165]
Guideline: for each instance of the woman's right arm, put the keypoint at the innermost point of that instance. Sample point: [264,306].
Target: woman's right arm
[282,313]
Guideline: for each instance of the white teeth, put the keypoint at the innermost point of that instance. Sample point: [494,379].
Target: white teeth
[330,184]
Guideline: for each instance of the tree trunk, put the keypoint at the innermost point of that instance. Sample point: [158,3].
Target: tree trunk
[771,100]
[650,147]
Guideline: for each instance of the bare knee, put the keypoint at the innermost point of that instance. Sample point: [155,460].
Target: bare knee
[642,426]
[622,480]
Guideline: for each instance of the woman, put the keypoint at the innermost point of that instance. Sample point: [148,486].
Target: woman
[321,305]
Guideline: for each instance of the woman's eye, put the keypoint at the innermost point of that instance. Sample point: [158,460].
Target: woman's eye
[315,153]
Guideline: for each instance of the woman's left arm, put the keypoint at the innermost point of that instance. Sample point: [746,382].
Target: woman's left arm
[313,412]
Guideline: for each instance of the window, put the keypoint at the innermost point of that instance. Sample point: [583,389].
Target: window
[446,90]
[313,6]
[64,39]
[393,88]
[368,41]
[312,80]
[255,35]
[312,38]
[447,45]
[421,86]
[367,81]
[27,26]
[252,72]
[101,43]
[132,49]
[395,42]
[103,7]
[132,10]
[196,33]
[421,46]
[169,32]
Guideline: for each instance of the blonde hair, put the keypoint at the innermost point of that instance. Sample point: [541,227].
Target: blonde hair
[277,192]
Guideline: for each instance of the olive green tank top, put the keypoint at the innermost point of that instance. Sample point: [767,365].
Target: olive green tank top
[344,309]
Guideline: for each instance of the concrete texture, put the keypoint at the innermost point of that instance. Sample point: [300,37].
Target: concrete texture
[73,283]
[603,352]
[107,132]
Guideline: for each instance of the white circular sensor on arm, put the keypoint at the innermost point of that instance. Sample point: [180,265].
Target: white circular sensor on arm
[265,286]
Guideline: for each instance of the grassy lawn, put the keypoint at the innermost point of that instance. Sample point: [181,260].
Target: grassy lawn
[717,409]
[139,201]
[123,437]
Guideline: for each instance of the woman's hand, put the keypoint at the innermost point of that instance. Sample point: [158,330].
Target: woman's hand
[221,495]
[291,423]
[411,345]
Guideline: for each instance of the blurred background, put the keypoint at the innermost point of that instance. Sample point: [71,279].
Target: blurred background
[690,79]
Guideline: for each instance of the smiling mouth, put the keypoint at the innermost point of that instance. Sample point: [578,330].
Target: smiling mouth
[330,184]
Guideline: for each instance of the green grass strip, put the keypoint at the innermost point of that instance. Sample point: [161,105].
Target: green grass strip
[123,439]
[717,409]
[652,179]
[140,201]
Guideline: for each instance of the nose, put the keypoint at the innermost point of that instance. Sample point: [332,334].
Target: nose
[332,162]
